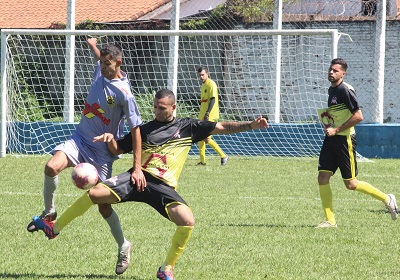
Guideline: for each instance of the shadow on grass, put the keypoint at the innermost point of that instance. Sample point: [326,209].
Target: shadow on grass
[64,276]
[265,225]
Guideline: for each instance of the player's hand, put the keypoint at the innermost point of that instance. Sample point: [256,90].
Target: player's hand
[106,137]
[92,42]
[137,178]
[260,122]
[330,131]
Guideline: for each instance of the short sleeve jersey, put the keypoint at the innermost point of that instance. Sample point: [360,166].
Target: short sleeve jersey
[107,106]
[209,90]
[342,103]
[165,146]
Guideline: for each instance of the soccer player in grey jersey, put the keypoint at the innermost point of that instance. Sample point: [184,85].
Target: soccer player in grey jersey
[109,102]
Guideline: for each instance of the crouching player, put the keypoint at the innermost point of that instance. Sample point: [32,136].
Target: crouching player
[166,142]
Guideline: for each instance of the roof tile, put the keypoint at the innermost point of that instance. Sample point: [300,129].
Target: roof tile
[43,13]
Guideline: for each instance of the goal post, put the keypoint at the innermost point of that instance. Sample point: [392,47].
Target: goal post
[241,62]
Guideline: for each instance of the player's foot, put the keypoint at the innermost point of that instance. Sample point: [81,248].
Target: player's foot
[45,226]
[124,256]
[224,160]
[48,217]
[392,206]
[201,164]
[165,274]
[326,224]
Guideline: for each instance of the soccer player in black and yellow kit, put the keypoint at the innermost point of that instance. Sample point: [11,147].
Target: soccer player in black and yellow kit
[166,142]
[339,146]
[209,111]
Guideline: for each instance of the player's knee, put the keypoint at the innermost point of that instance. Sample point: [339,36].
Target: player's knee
[105,210]
[323,178]
[51,169]
[350,185]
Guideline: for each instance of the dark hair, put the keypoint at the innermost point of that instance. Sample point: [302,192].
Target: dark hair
[113,50]
[165,93]
[201,69]
[341,62]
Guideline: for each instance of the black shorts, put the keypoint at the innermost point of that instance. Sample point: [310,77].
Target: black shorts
[339,152]
[156,194]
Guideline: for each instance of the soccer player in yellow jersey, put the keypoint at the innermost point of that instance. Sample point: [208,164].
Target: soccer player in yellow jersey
[209,111]
[166,142]
[339,146]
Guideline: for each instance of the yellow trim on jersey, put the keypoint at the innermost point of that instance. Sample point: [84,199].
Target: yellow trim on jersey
[335,116]
[166,162]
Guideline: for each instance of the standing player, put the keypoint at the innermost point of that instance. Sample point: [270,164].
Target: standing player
[339,147]
[209,111]
[166,144]
[108,103]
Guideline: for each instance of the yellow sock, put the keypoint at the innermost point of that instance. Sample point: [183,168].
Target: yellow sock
[216,148]
[179,240]
[202,151]
[325,193]
[79,207]
[366,188]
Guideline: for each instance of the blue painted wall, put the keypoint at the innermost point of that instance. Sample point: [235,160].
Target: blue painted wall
[374,140]
[378,141]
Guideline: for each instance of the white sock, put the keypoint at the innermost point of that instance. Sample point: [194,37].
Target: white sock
[115,228]
[49,189]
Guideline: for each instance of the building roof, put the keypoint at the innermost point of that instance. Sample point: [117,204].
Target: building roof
[46,13]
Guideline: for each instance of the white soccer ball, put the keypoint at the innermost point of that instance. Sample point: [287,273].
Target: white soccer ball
[84,176]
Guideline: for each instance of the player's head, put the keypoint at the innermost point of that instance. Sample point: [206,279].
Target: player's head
[336,71]
[113,51]
[341,62]
[203,74]
[164,105]
[110,61]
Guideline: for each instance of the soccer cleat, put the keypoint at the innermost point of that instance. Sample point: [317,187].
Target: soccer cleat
[224,160]
[45,226]
[326,224]
[392,206]
[165,274]
[124,256]
[48,217]
[201,164]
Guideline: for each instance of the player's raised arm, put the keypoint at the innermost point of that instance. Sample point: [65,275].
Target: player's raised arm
[234,127]
[92,43]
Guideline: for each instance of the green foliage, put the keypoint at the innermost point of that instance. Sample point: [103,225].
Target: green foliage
[145,102]
[252,10]
[255,219]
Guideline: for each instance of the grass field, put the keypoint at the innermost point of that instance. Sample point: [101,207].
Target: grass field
[255,219]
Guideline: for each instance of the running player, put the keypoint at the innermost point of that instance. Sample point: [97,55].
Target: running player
[339,147]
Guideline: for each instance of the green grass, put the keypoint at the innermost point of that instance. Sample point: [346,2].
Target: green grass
[255,219]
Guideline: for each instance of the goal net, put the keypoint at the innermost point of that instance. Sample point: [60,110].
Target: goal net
[279,75]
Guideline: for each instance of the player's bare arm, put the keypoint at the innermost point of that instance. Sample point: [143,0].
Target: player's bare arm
[137,175]
[352,121]
[92,43]
[234,127]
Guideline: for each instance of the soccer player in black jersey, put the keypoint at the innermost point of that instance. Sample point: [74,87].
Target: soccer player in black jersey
[166,142]
[339,147]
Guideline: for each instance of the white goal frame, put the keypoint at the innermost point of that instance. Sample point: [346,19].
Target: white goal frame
[332,33]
